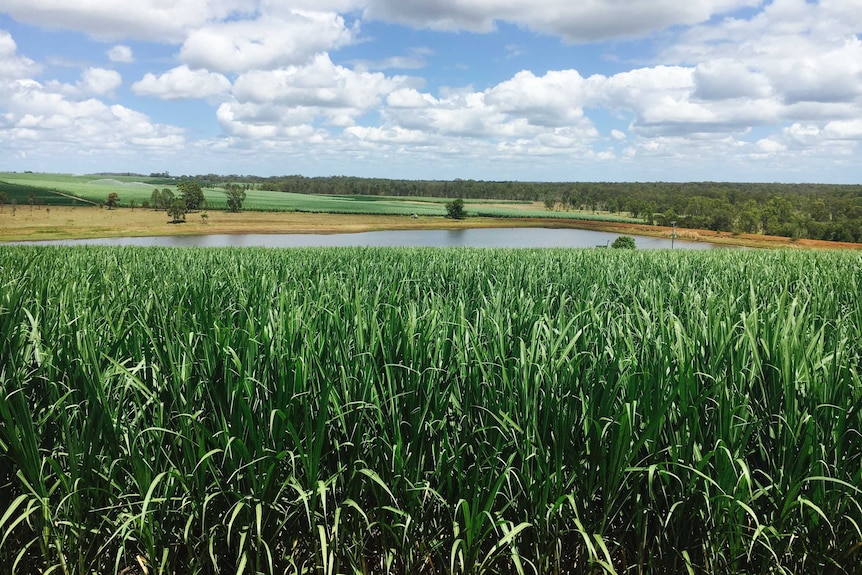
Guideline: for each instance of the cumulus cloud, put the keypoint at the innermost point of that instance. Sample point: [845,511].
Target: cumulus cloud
[798,51]
[525,115]
[120,53]
[724,79]
[588,20]
[320,84]
[832,73]
[265,122]
[182,83]
[287,102]
[99,82]
[47,118]
[412,62]
[552,100]
[265,43]
[12,65]
[786,80]
[769,146]
[93,82]
[142,19]
[844,129]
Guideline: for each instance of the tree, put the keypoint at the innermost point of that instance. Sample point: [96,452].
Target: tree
[156,199]
[455,209]
[113,200]
[191,193]
[3,199]
[235,197]
[177,211]
[167,198]
[624,243]
[550,202]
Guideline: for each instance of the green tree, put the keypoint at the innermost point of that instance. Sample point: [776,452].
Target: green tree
[3,200]
[191,193]
[624,243]
[177,211]
[455,209]
[235,197]
[113,200]
[550,202]
[167,198]
[819,211]
[156,199]
[748,221]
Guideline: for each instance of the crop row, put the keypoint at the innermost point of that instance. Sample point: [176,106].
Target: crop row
[429,411]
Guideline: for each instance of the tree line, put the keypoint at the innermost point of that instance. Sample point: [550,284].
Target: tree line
[191,198]
[818,211]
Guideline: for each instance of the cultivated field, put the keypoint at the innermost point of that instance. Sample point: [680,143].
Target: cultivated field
[429,411]
[95,189]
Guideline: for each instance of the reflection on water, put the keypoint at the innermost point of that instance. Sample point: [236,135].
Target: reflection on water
[474,238]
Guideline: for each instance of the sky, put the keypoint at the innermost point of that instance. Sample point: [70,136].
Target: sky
[531,90]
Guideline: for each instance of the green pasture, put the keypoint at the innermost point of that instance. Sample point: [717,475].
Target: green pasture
[22,196]
[429,411]
[95,188]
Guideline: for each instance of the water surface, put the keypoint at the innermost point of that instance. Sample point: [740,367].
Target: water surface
[471,237]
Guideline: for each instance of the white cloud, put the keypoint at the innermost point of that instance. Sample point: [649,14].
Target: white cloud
[768,146]
[265,43]
[413,62]
[287,102]
[828,73]
[99,82]
[270,122]
[526,114]
[50,121]
[587,20]
[280,7]
[93,82]
[552,100]
[160,20]
[320,84]
[120,53]
[844,129]
[181,83]
[723,79]
[784,83]
[392,135]
[12,65]
[409,98]
[794,50]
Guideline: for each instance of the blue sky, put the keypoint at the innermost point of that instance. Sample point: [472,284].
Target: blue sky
[624,90]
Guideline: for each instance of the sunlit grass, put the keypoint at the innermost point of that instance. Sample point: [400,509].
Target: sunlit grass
[429,411]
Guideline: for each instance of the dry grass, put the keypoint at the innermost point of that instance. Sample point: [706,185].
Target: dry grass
[91,222]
